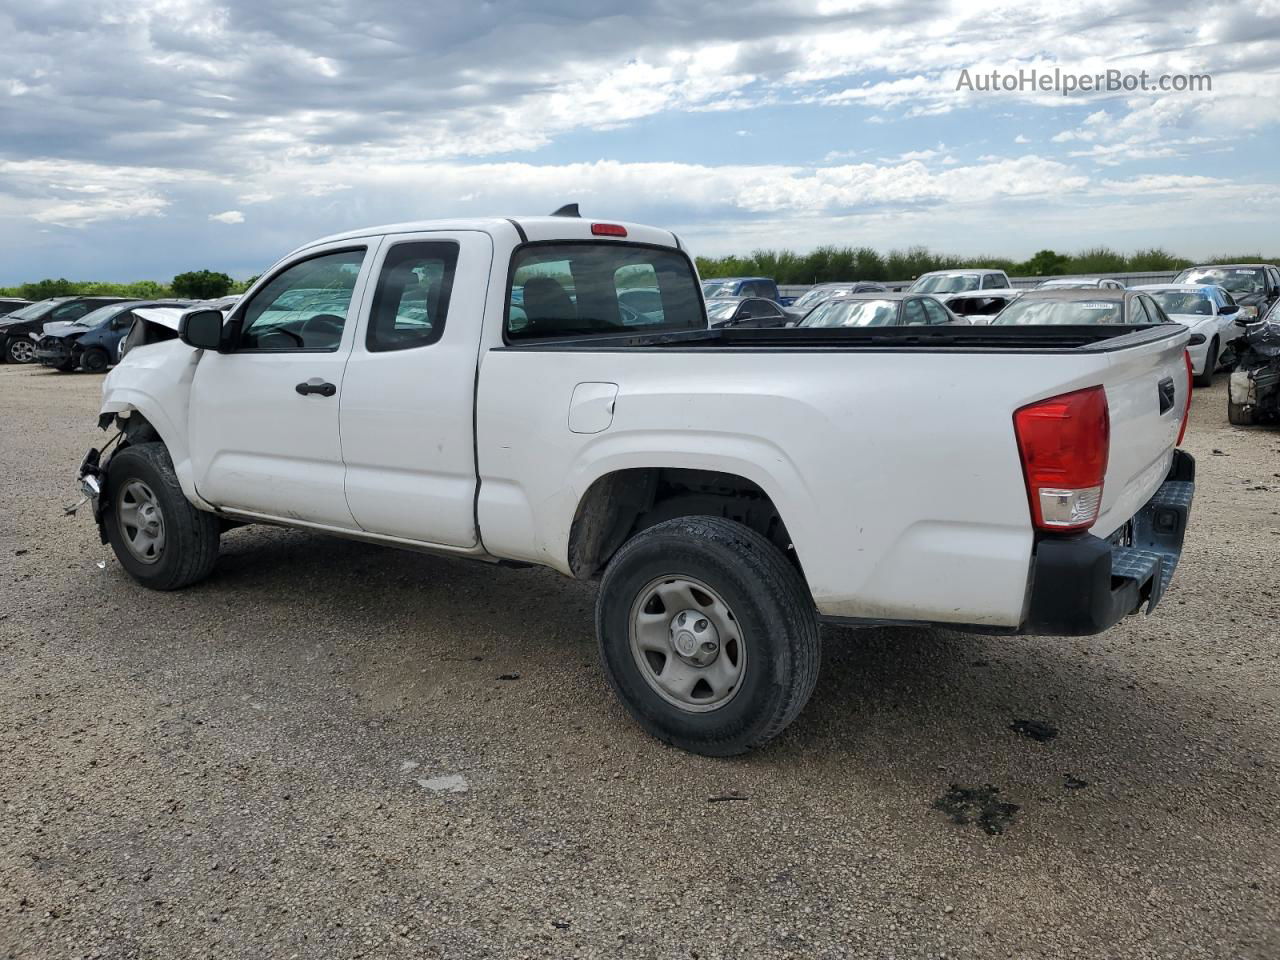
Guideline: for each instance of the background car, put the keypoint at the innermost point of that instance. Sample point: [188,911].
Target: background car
[979,306]
[822,292]
[764,287]
[1070,306]
[92,341]
[959,281]
[16,328]
[1254,286]
[745,312]
[10,304]
[1097,283]
[880,310]
[1208,312]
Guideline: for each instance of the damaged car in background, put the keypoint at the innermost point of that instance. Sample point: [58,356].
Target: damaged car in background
[1253,286]
[979,306]
[1254,395]
[91,342]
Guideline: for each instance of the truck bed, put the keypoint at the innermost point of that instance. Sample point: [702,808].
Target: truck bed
[1091,338]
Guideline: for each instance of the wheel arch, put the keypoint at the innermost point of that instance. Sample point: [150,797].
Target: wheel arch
[621,503]
[139,415]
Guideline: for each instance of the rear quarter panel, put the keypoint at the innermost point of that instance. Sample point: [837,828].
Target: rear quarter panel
[896,473]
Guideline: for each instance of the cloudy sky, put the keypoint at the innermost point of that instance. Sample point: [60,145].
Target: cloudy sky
[146,137]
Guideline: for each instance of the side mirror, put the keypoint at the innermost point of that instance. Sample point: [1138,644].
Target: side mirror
[1229,309]
[201,329]
[1241,320]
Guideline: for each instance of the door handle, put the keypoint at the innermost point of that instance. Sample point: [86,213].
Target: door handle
[316,385]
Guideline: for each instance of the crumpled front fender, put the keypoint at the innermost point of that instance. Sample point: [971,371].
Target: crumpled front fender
[155,382]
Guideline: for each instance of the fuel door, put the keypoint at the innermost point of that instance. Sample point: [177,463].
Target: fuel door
[591,407]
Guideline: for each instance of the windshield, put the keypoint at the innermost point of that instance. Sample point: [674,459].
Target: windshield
[31,311]
[1244,280]
[95,317]
[714,288]
[1050,284]
[721,309]
[946,283]
[853,313]
[1183,301]
[1031,313]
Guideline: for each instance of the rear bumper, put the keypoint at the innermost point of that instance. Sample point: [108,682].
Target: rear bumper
[1082,585]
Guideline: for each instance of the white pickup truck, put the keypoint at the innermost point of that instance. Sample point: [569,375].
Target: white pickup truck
[481,388]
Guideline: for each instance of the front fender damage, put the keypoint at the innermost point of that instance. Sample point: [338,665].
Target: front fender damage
[146,397]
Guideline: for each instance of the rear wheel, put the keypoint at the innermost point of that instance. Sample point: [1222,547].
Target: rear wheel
[707,634]
[20,350]
[157,535]
[1205,379]
[95,360]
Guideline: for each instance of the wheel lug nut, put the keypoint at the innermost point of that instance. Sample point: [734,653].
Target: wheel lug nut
[700,625]
[708,646]
[683,617]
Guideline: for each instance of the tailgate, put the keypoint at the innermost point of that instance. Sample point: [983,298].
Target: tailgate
[1147,387]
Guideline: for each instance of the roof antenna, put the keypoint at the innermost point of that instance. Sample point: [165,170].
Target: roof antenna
[568,210]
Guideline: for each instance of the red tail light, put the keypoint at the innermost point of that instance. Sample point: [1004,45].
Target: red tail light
[608,230]
[1186,413]
[1065,442]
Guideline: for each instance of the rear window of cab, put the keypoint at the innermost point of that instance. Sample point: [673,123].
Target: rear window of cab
[582,289]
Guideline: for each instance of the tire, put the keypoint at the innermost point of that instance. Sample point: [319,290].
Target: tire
[19,350]
[141,483]
[95,360]
[1240,414]
[755,604]
[1210,365]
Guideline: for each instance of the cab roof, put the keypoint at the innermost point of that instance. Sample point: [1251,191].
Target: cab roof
[514,230]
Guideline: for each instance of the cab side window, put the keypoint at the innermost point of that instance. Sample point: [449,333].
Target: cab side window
[913,313]
[411,301]
[304,307]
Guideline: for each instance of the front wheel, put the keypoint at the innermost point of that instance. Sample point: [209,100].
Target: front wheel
[1205,379]
[707,634]
[20,350]
[95,360]
[158,536]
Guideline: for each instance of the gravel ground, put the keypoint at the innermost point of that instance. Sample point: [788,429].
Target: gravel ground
[316,754]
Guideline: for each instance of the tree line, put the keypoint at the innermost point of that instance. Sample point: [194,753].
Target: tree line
[829,263]
[820,265]
[193,285]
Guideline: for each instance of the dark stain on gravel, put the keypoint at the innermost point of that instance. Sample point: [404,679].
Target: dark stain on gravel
[980,805]
[1039,730]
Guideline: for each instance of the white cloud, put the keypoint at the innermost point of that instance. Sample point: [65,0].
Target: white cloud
[230,105]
